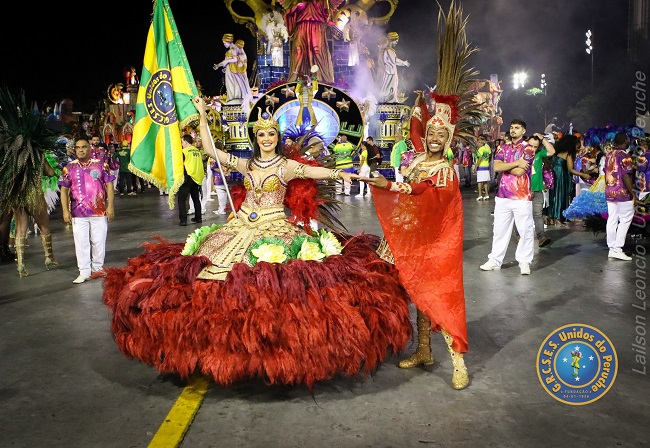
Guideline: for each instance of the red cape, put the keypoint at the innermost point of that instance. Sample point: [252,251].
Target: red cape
[425,235]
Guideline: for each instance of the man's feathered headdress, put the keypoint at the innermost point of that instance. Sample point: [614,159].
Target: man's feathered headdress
[455,108]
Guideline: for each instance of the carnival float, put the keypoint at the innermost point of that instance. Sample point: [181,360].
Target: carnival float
[345,88]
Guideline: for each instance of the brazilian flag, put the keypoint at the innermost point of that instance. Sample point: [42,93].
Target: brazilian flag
[164,105]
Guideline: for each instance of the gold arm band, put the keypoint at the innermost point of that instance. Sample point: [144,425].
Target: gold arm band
[299,171]
[335,174]
[232,162]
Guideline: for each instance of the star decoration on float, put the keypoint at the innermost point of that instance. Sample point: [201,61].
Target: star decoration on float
[343,105]
[271,99]
[329,93]
[289,91]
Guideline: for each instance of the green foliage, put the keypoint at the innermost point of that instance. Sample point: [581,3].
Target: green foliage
[24,138]
[195,239]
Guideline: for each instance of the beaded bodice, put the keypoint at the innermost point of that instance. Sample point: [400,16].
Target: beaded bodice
[265,185]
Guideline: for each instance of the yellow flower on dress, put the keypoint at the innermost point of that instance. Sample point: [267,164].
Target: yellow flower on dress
[310,251]
[329,244]
[271,253]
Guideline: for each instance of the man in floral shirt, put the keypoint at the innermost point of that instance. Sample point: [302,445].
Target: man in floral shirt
[513,204]
[87,200]
[619,193]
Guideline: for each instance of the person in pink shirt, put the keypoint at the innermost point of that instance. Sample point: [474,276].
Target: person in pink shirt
[619,194]
[87,200]
[513,203]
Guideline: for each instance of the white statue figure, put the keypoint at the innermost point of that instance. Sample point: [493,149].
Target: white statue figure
[234,67]
[275,31]
[389,91]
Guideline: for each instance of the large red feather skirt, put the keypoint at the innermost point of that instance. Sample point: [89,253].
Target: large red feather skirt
[294,323]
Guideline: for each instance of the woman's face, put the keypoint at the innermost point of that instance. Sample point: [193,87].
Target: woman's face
[267,139]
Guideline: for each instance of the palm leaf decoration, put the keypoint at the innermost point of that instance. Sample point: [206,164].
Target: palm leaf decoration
[24,138]
[454,76]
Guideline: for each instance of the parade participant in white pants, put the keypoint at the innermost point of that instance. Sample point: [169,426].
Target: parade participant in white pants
[513,203]
[87,201]
[364,169]
[619,193]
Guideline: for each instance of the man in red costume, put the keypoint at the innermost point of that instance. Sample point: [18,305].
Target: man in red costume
[422,218]
[307,23]
[431,200]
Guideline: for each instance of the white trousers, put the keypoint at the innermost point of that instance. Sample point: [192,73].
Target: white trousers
[206,188]
[506,213]
[222,197]
[90,243]
[619,218]
[398,175]
[364,171]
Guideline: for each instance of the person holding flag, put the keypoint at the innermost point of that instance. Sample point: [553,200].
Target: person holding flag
[164,106]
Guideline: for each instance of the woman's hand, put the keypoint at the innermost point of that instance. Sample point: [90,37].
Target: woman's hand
[348,177]
[199,104]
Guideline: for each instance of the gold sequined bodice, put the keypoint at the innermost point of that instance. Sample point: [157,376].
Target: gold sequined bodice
[269,191]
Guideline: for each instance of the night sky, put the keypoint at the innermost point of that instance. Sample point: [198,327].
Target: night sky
[55,52]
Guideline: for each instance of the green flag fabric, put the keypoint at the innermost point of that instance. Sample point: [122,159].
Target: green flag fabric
[164,105]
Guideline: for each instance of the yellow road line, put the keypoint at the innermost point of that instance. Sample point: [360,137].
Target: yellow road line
[178,421]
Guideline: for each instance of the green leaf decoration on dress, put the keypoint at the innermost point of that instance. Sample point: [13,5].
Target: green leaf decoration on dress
[329,244]
[296,243]
[195,239]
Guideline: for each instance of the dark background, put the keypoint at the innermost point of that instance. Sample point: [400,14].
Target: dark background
[60,50]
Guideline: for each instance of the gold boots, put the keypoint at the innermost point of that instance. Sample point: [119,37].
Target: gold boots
[50,262]
[422,355]
[21,243]
[460,379]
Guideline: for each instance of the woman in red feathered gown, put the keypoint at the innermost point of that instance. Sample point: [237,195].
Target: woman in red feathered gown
[260,297]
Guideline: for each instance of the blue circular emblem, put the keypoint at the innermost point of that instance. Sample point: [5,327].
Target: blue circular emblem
[577,364]
[159,99]
[94,173]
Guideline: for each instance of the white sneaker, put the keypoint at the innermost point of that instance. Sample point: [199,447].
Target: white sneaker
[358,195]
[524,268]
[485,198]
[480,198]
[490,266]
[82,278]
[618,255]
[219,212]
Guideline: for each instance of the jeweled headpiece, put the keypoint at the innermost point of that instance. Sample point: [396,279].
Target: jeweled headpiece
[392,36]
[265,121]
[227,37]
[239,43]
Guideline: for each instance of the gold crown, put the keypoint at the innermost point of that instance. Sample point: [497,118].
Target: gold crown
[392,35]
[265,123]
[227,37]
[239,43]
